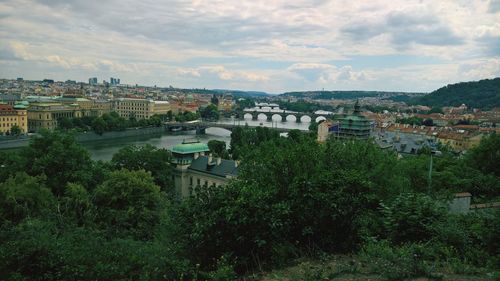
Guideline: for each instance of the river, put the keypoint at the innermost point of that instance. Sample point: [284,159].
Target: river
[104,150]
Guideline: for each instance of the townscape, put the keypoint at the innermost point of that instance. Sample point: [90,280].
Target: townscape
[251,140]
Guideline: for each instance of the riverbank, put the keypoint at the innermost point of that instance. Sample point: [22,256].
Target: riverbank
[22,141]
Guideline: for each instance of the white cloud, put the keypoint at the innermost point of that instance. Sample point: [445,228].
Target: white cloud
[274,45]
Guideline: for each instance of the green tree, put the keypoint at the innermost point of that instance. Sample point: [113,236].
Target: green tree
[65,123]
[410,217]
[15,130]
[60,158]
[76,204]
[486,156]
[218,148]
[99,126]
[23,196]
[210,112]
[128,204]
[149,158]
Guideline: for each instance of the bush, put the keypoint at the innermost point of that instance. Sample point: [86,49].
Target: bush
[397,263]
[410,217]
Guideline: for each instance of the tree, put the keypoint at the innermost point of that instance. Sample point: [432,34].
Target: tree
[128,204]
[65,123]
[15,130]
[149,158]
[218,148]
[58,156]
[410,217]
[210,112]
[428,122]
[23,196]
[486,156]
[99,126]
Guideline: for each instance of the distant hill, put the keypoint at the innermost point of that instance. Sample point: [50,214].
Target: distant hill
[483,94]
[346,95]
[240,94]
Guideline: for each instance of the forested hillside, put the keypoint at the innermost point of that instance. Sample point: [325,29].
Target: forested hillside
[483,94]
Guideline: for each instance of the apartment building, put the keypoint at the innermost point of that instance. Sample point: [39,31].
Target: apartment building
[13,116]
[140,108]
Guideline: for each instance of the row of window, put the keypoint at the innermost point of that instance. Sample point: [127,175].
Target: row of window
[10,125]
[11,119]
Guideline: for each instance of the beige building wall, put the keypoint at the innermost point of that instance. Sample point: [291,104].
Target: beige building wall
[45,115]
[323,131]
[161,107]
[138,108]
[12,118]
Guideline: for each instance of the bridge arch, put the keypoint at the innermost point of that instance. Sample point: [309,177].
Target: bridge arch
[262,117]
[291,118]
[320,118]
[277,117]
[305,119]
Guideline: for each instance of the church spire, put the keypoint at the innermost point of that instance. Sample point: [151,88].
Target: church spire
[357,109]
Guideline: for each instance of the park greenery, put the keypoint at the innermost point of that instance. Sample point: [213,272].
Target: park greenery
[106,123]
[64,216]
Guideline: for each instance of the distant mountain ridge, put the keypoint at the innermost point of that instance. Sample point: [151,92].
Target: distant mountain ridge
[482,94]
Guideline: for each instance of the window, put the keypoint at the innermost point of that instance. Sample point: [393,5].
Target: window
[198,181]
[191,180]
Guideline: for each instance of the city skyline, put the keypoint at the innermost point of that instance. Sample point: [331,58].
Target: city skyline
[272,46]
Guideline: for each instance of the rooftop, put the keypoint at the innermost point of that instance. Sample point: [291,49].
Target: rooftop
[190,147]
[223,168]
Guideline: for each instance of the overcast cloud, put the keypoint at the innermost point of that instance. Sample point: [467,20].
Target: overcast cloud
[268,45]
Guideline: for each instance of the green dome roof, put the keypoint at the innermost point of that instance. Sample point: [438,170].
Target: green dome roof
[188,148]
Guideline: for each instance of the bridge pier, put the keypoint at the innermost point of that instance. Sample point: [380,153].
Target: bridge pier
[201,130]
[255,116]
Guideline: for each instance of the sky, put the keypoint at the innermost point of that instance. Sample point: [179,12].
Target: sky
[262,45]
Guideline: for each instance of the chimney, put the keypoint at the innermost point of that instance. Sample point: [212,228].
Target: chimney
[196,155]
[209,158]
[219,160]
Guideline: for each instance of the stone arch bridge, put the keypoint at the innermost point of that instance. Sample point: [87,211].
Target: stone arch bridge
[299,116]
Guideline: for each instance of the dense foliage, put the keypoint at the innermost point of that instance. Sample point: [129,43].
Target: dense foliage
[66,217]
[303,106]
[483,94]
[106,123]
[210,112]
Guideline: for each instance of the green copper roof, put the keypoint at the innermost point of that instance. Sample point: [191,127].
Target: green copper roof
[187,148]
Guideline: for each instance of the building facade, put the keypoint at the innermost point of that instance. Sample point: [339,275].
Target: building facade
[46,115]
[11,116]
[140,108]
[193,168]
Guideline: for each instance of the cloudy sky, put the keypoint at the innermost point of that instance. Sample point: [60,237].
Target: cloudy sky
[266,45]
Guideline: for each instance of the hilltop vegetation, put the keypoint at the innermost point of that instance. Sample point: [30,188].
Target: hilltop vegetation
[66,217]
[344,95]
[483,94]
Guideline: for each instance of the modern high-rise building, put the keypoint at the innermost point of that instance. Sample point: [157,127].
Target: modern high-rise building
[93,81]
[114,81]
